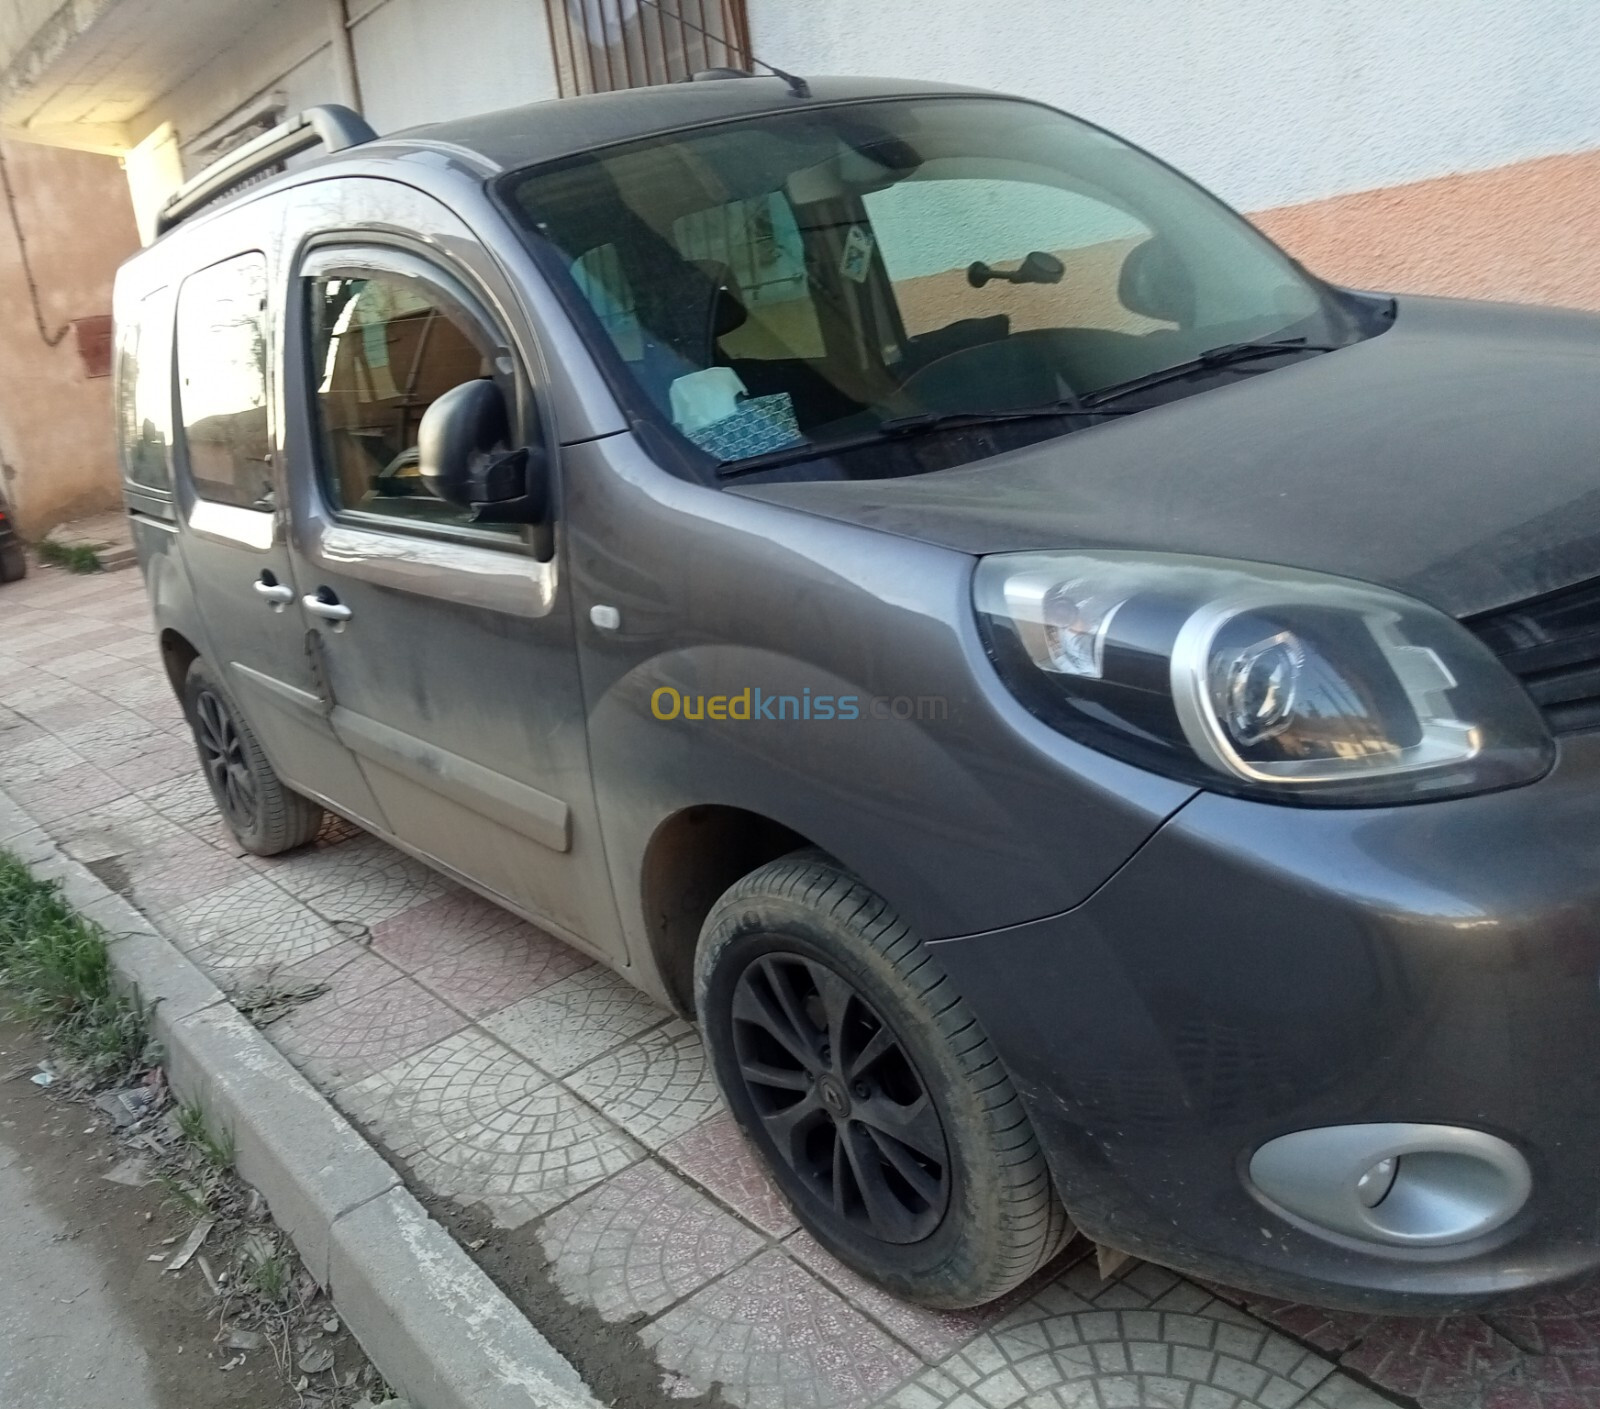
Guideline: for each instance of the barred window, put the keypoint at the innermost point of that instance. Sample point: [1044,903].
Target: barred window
[603,45]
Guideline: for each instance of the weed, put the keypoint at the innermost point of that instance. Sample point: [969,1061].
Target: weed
[185,1197]
[55,970]
[216,1150]
[74,557]
[267,1269]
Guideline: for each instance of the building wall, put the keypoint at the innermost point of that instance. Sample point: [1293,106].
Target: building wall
[56,451]
[420,61]
[416,61]
[1398,144]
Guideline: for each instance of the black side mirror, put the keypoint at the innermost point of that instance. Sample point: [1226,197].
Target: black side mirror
[1155,282]
[462,457]
[1037,268]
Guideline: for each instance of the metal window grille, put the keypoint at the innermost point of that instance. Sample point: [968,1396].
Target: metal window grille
[602,45]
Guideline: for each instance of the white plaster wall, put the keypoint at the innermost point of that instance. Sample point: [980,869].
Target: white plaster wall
[428,60]
[1268,102]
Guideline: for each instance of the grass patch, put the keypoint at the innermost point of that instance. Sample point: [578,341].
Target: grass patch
[215,1150]
[74,557]
[55,970]
[266,1269]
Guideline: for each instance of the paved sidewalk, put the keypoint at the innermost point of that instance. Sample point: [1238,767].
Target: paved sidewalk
[508,1075]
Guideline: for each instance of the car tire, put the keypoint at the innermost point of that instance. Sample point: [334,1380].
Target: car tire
[13,563]
[801,956]
[262,813]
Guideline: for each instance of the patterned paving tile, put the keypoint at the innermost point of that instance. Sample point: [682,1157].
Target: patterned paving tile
[346,970]
[933,1335]
[573,1021]
[771,1336]
[69,794]
[84,666]
[1333,1332]
[641,1241]
[66,637]
[38,761]
[358,1029]
[361,879]
[111,736]
[1546,1382]
[116,828]
[1440,1363]
[716,1156]
[169,877]
[1559,1323]
[1058,1351]
[186,800]
[59,704]
[432,931]
[161,762]
[251,924]
[478,1123]
[501,970]
[1341,1392]
[656,1088]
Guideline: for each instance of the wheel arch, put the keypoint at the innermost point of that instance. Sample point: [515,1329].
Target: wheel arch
[178,653]
[692,858]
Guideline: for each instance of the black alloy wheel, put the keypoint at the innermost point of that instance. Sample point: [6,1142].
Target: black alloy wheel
[840,1098]
[222,754]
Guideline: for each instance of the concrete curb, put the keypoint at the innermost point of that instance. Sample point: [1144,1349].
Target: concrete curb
[438,1330]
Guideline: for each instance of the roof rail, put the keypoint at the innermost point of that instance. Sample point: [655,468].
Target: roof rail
[331,125]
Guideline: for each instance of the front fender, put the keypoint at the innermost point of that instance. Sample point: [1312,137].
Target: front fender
[945,796]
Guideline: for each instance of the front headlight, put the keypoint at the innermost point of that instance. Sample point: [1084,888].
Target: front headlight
[1265,681]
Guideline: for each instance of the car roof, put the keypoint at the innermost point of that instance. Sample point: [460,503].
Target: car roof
[559,127]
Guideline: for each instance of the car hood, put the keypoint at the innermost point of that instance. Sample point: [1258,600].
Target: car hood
[1455,457]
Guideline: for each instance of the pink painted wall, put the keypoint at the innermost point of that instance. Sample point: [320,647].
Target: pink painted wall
[56,451]
[1523,233]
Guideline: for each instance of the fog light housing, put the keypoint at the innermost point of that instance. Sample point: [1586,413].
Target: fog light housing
[1404,1185]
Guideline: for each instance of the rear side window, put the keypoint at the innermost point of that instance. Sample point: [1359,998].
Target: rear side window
[144,392]
[222,382]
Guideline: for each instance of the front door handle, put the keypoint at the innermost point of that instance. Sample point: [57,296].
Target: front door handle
[273,592]
[325,604]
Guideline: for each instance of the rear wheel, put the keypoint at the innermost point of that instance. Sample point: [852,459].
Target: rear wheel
[13,563]
[885,1115]
[260,811]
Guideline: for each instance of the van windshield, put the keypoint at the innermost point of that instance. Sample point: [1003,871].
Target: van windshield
[801,289]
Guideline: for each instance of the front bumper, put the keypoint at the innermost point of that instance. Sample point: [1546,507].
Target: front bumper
[1258,970]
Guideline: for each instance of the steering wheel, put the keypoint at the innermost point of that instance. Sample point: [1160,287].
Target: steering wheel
[1022,370]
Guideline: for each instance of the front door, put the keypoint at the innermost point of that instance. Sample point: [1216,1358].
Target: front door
[448,645]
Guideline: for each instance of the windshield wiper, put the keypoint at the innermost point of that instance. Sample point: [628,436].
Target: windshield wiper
[901,427]
[1228,355]
[1089,408]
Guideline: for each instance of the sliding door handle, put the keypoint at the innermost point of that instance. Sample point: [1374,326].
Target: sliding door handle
[323,603]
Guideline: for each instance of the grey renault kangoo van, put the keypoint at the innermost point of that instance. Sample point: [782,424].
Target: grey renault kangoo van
[1092,720]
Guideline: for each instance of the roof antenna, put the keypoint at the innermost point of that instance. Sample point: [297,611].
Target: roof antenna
[797,85]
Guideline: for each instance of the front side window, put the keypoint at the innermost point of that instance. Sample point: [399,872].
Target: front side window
[788,287]
[384,348]
[222,382]
[144,392]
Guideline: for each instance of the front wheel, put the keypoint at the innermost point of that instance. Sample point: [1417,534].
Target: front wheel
[264,815]
[885,1115]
